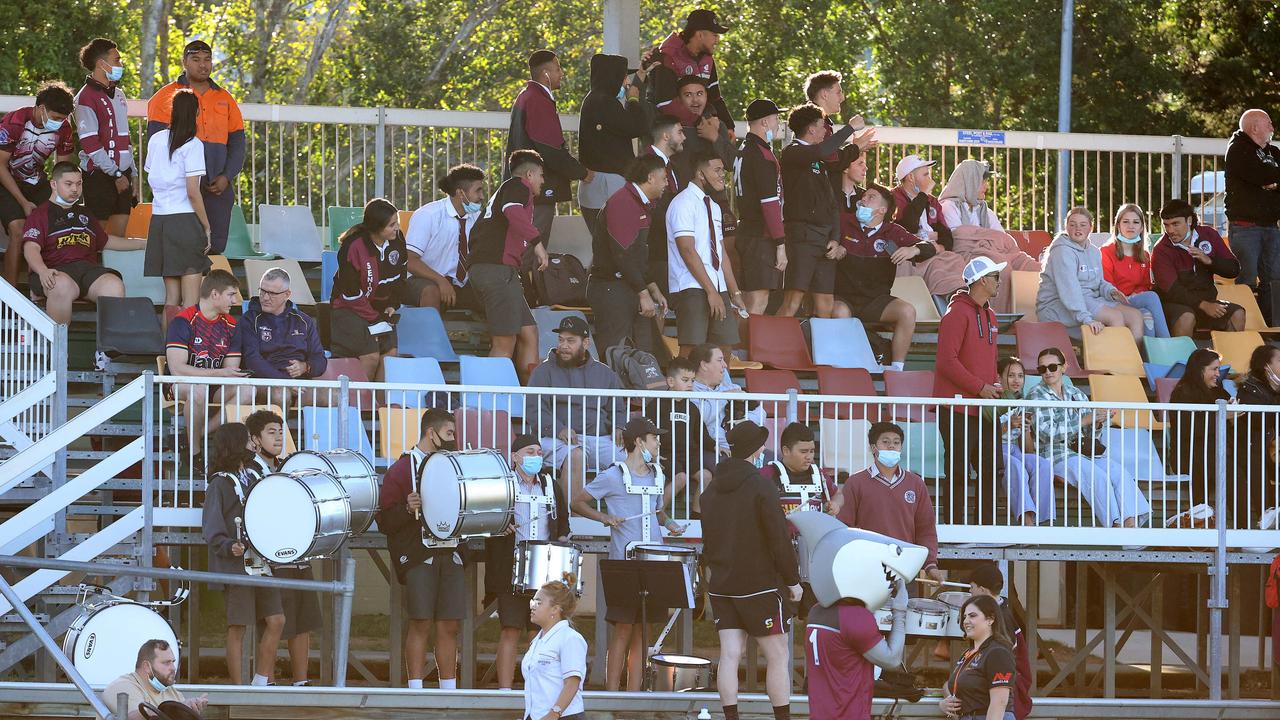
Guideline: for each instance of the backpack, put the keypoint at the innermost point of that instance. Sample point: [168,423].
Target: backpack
[564,282]
[637,369]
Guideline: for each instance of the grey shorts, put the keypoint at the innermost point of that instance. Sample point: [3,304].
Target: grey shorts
[301,607]
[350,337]
[600,450]
[759,258]
[501,294]
[694,325]
[513,610]
[808,267]
[247,605]
[436,590]
[175,247]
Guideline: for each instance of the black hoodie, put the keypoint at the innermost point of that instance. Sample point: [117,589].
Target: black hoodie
[607,126]
[1249,168]
[745,538]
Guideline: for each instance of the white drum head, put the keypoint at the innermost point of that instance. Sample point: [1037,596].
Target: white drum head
[280,518]
[307,460]
[107,646]
[442,495]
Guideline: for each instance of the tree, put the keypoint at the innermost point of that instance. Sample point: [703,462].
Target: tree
[1227,54]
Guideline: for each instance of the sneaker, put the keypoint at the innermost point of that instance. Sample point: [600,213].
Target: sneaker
[100,361]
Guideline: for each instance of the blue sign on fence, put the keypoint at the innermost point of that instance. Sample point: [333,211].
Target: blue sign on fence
[980,137]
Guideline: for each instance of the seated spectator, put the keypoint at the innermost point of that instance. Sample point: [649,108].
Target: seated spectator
[1256,439]
[152,681]
[612,115]
[1184,262]
[439,248]
[368,287]
[202,342]
[277,340]
[918,210]
[795,466]
[711,375]
[964,198]
[889,499]
[689,455]
[1028,477]
[62,243]
[1126,264]
[179,237]
[576,431]
[499,240]
[1072,289]
[873,247]
[1068,437]
[1191,439]
[28,136]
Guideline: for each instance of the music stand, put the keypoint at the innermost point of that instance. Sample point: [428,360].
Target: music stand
[660,584]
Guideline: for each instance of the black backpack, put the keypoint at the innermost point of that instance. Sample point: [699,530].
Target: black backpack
[637,369]
[564,282]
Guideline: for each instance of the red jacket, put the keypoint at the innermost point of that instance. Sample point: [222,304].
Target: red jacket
[1127,274]
[967,349]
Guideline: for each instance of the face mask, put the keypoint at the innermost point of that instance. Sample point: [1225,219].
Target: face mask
[159,686]
[768,136]
[63,201]
[531,464]
[115,73]
[446,445]
[889,458]
[759,461]
[864,214]
[622,94]
[645,455]
[51,125]
[471,208]
[1129,240]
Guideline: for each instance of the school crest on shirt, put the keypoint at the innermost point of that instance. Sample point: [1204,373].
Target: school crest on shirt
[84,219]
[393,257]
[1205,247]
[933,214]
[879,246]
[688,69]
[909,496]
[265,334]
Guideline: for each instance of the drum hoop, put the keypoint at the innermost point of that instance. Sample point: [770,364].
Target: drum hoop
[315,511]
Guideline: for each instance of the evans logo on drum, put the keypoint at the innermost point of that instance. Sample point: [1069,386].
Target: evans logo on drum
[89,644]
[286,552]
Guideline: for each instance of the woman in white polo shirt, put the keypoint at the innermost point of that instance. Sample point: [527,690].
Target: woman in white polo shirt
[555,666]
[178,240]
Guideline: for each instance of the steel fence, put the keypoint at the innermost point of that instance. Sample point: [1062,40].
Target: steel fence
[33,380]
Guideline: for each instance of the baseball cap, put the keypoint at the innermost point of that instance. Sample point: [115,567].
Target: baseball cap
[574,324]
[981,267]
[988,575]
[704,20]
[745,438]
[762,109]
[638,428]
[523,441]
[196,46]
[910,164]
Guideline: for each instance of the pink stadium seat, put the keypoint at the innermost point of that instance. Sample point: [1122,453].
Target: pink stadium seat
[778,342]
[1033,337]
[855,382]
[912,384]
[772,381]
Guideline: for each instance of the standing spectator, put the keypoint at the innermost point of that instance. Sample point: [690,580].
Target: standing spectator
[277,339]
[688,52]
[439,243]
[1073,290]
[919,211]
[178,241]
[621,290]
[1126,264]
[555,665]
[612,116]
[704,132]
[1253,207]
[966,367]
[980,684]
[221,129]
[1028,477]
[700,275]
[810,213]
[825,90]
[535,125]
[668,140]
[28,136]
[498,243]
[986,579]
[368,287]
[1191,439]
[102,121]
[1184,262]
[853,182]
[202,341]
[1255,438]
[757,181]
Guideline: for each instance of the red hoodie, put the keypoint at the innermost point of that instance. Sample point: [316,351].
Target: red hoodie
[967,349]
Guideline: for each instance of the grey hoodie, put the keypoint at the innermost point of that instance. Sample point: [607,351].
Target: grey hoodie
[584,415]
[1072,288]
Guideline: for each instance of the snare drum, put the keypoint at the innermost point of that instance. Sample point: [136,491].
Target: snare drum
[927,617]
[103,642]
[539,562]
[352,471]
[954,600]
[688,556]
[680,673]
[467,494]
[295,517]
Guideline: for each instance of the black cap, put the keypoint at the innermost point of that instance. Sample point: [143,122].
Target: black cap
[746,438]
[987,575]
[704,20]
[638,428]
[574,324]
[690,80]
[523,441]
[196,46]
[762,109]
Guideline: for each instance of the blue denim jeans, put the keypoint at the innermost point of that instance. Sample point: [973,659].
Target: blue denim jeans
[1257,247]
[1150,302]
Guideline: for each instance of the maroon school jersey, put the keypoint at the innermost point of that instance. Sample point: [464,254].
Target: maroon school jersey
[841,679]
[64,234]
[29,145]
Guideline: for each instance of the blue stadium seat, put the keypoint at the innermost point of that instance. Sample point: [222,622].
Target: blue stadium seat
[289,231]
[416,370]
[328,268]
[842,342]
[129,264]
[420,333]
[492,371]
[547,321]
[320,431]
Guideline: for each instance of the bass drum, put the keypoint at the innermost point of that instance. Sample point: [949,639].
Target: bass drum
[467,494]
[539,562]
[295,517]
[352,471]
[103,642]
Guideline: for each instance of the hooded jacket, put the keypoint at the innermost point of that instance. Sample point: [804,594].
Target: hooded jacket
[1183,280]
[1072,286]
[608,126]
[678,62]
[967,349]
[535,125]
[585,415]
[268,343]
[1248,168]
[746,542]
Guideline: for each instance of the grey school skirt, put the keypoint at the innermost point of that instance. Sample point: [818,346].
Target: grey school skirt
[175,247]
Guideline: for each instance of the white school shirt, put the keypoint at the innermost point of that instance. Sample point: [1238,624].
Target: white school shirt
[554,656]
[955,213]
[433,235]
[687,216]
[167,175]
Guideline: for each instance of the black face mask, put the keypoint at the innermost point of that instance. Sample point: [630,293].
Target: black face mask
[446,445]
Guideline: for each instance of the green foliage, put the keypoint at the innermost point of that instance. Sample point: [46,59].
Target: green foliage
[1228,53]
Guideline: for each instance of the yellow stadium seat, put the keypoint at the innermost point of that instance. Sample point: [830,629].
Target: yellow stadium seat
[913,290]
[238,413]
[1236,347]
[1025,284]
[1124,389]
[405,215]
[1112,350]
[1242,295]
[398,430]
[220,262]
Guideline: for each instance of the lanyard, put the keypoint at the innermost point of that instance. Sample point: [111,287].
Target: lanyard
[955,679]
[646,492]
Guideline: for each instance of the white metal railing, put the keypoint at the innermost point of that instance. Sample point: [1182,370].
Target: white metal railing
[1080,501]
[32,373]
[342,156]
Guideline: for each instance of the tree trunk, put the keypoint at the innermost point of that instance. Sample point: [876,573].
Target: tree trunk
[478,14]
[266,22]
[324,37]
[152,16]
[163,51]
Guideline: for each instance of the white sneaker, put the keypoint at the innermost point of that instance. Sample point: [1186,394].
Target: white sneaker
[100,361]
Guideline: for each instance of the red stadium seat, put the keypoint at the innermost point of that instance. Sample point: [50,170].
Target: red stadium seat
[772,381]
[912,384]
[483,429]
[354,371]
[778,342]
[855,382]
[1033,337]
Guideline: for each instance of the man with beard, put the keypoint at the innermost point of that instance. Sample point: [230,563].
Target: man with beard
[574,429]
[151,681]
[688,52]
[667,135]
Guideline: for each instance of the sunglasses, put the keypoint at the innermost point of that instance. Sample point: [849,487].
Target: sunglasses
[1051,367]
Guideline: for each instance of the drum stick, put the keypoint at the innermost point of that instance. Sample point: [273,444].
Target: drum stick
[928,581]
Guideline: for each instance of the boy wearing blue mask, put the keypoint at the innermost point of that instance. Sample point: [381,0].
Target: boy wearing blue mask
[757,182]
[438,239]
[889,499]
[102,122]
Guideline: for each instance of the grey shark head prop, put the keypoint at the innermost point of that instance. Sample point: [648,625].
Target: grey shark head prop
[847,562]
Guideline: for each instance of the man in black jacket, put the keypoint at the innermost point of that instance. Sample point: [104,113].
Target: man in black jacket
[749,555]
[757,183]
[612,116]
[1253,206]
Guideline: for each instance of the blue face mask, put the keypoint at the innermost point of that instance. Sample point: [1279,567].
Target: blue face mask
[471,208]
[159,686]
[889,458]
[115,73]
[645,455]
[759,461]
[1128,240]
[768,136]
[51,125]
[531,464]
[622,94]
[864,214]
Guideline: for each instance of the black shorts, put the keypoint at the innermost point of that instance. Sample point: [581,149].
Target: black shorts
[103,199]
[759,258]
[808,267]
[760,614]
[868,310]
[436,590]
[10,210]
[513,610]
[349,336]
[84,273]
[1172,311]
[694,324]
[501,293]
[301,607]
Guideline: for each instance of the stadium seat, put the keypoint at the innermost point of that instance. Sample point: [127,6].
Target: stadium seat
[339,220]
[405,216]
[548,319]
[778,342]
[912,289]
[571,236]
[300,291]
[483,429]
[354,370]
[842,343]
[1124,388]
[139,225]
[844,444]
[1024,286]
[1164,389]
[328,268]
[911,384]
[239,241]
[129,264]
[238,413]
[1037,241]
[416,371]
[1033,337]
[128,326]
[320,431]
[772,382]
[1168,351]
[1235,348]
[398,430]
[1243,296]
[220,262]
[491,372]
[289,231]
[922,451]
[1112,350]
[420,332]
[845,382]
